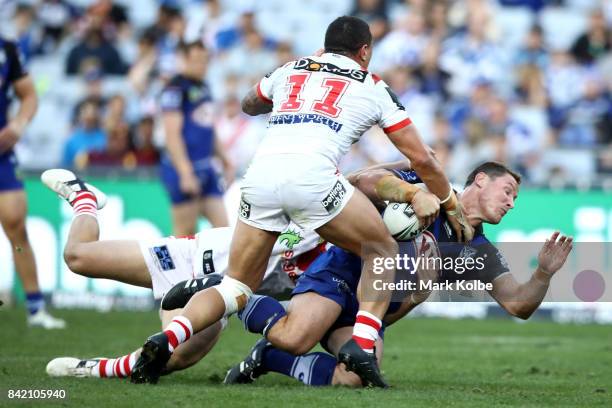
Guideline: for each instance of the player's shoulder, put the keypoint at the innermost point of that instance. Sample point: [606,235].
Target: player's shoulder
[177,81]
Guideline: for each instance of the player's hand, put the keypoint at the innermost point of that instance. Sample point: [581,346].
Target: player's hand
[426,206]
[189,184]
[554,253]
[457,219]
[9,136]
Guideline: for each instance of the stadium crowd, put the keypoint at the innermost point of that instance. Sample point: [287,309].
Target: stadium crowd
[526,82]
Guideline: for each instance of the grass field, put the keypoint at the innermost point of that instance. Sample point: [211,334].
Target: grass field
[430,362]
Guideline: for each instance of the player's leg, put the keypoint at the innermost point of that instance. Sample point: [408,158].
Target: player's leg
[83,253]
[359,228]
[309,317]
[13,211]
[194,349]
[249,253]
[211,203]
[184,217]
[341,376]
[213,208]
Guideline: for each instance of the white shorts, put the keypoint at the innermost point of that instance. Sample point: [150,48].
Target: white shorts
[277,189]
[169,261]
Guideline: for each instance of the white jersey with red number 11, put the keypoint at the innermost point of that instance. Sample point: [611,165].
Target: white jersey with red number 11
[322,105]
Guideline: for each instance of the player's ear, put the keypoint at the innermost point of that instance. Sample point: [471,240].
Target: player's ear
[481,179]
[363,52]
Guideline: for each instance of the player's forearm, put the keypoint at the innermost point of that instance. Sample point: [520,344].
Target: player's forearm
[253,105]
[178,154]
[531,294]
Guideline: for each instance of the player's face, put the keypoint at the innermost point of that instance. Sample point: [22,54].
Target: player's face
[197,59]
[497,197]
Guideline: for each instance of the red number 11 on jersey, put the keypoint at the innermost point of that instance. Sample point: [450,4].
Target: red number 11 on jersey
[327,106]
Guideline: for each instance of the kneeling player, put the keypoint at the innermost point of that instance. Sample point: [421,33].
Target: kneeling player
[324,300]
[159,264]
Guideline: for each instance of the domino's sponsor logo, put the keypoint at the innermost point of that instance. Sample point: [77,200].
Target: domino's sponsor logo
[304,118]
[244,211]
[164,258]
[308,64]
[334,198]
[207,262]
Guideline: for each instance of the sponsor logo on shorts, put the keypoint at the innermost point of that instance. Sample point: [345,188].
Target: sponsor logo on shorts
[334,198]
[309,65]
[163,255]
[207,262]
[245,209]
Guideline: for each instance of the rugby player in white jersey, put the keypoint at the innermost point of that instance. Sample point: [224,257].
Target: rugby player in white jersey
[320,106]
[161,263]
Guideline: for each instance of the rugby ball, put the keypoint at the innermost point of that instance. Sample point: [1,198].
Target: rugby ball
[402,222]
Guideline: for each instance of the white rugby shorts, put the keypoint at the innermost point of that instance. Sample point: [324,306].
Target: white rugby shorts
[306,189]
[169,260]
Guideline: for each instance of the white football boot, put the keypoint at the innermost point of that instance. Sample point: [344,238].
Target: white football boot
[43,319]
[72,367]
[66,185]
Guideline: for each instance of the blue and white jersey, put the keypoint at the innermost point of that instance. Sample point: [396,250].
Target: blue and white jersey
[11,70]
[193,99]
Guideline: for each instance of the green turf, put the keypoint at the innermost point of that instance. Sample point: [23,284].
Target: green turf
[429,362]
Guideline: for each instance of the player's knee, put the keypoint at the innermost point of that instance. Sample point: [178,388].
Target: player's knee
[14,227]
[73,258]
[235,294]
[297,342]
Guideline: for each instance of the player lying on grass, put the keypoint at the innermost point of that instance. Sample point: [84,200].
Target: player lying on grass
[160,264]
[324,301]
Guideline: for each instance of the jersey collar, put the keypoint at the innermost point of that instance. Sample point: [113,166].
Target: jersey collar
[339,59]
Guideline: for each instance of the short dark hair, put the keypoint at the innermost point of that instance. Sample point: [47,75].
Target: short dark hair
[185,46]
[347,34]
[493,170]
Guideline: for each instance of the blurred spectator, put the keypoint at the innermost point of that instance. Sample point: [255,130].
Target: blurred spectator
[56,18]
[87,136]
[27,36]
[142,72]
[374,12]
[144,149]
[589,120]
[94,49]
[235,34]
[433,80]
[117,151]
[404,45]
[595,42]
[533,52]
[474,149]
[471,56]
[93,92]
[251,59]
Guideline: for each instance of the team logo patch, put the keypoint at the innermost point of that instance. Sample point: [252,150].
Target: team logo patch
[245,209]
[290,238]
[207,262]
[163,255]
[314,66]
[333,199]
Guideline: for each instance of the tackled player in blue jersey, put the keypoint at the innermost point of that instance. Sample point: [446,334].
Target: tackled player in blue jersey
[324,301]
[14,80]
[187,168]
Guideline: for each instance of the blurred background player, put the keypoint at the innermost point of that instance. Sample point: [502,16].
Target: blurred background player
[13,205]
[187,167]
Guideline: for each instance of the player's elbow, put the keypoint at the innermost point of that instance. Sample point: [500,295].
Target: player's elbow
[424,162]
[249,108]
[521,310]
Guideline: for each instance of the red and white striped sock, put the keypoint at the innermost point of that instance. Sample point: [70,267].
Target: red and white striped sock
[178,332]
[120,367]
[365,331]
[85,203]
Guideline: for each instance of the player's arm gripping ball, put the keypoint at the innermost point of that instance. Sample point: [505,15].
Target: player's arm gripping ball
[426,205]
